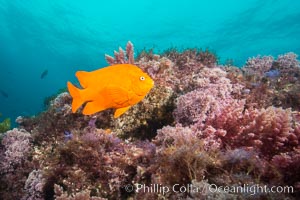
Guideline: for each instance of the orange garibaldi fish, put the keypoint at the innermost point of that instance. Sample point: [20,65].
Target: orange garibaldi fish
[118,86]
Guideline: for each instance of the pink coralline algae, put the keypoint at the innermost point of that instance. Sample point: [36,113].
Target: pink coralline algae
[15,162]
[202,124]
[34,186]
[258,65]
[288,60]
[17,144]
[122,56]
[273,82]
[206,101]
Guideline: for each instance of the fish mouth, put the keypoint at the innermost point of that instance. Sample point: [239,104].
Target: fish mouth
[152,82]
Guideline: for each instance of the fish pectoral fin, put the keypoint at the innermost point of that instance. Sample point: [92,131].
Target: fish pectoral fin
[92,107]
[120,111]
[118,95]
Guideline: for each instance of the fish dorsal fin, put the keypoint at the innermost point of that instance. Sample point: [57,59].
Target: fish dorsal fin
[83,78]
[120,111]
[118,96]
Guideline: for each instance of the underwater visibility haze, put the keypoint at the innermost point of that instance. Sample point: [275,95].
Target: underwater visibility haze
[198,100]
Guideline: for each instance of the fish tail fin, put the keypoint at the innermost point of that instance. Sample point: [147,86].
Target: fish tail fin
[75,93]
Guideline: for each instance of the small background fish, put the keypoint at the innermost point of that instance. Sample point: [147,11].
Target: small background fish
[44,74]
[4,94]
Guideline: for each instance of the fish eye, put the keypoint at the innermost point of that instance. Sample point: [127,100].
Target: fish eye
[142,78]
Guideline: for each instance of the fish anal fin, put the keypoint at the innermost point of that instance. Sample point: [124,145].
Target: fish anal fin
[120,111]
[93,107]
[83,78]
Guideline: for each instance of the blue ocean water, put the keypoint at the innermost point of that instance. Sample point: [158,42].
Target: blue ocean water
[64,36]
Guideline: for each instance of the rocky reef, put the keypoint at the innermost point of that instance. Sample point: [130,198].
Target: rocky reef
[205,131]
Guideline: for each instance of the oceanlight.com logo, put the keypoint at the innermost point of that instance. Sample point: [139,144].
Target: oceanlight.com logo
[208,188]
[251,189]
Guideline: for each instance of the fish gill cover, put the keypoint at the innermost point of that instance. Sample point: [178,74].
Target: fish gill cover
[205,124]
